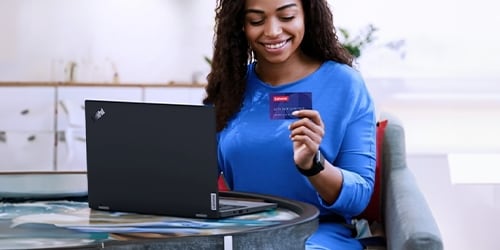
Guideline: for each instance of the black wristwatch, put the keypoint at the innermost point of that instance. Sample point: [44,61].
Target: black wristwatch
[317,166]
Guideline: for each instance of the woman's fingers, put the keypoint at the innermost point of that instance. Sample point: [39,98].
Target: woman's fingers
[310,124]
[305,134]
[311,114]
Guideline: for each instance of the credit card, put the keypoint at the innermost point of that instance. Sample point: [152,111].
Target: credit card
[283,104]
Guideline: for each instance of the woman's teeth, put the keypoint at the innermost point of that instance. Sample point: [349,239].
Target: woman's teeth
[276,45]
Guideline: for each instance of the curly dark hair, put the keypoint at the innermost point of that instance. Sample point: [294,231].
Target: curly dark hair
[232,53]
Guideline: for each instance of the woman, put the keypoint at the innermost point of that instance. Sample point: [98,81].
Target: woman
[268,52]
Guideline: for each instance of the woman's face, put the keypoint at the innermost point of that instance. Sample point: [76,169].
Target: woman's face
[274,28]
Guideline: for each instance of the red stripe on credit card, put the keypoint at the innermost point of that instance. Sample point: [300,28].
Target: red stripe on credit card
[280,98]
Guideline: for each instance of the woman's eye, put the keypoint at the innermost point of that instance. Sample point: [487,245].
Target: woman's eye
[255,22]
[287,18]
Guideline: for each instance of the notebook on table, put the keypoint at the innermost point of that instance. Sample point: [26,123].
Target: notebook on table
[156,158]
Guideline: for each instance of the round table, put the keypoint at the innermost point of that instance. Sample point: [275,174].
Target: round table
[69,224]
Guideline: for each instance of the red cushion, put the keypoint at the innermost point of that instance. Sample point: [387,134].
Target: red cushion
[373,211]
[221,183]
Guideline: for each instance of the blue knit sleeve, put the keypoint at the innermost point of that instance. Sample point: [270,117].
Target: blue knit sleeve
[356,158]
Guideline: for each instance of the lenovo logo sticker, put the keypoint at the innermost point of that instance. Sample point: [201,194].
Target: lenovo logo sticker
[280,98]
[213,201]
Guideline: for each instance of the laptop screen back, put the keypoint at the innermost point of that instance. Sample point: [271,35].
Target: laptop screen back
[151,158]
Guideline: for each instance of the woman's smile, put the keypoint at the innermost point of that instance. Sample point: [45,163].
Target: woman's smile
[276,46]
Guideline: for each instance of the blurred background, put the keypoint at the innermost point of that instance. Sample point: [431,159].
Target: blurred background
[432,63]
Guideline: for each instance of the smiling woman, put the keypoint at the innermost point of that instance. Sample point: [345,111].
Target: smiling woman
[316,142]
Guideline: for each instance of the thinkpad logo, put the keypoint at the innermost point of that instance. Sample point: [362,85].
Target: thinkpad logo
[99,114]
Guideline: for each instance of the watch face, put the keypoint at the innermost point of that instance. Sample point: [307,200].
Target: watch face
[319,158]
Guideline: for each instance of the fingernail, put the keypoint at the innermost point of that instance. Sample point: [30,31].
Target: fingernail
[296,112]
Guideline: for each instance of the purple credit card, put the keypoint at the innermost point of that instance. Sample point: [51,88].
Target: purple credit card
[283,104]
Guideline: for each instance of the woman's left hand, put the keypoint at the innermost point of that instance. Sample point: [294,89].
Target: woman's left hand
[306,134]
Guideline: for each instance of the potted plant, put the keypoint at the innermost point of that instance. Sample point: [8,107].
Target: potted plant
[355,44]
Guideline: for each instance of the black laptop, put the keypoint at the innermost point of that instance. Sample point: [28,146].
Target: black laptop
[156,158]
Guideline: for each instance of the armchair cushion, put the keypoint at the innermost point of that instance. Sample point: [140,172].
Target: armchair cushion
[373,212]
[221,184]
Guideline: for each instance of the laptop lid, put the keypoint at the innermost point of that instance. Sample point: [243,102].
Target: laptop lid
[152,158]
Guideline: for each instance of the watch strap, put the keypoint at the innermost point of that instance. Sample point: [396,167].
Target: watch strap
[317,166]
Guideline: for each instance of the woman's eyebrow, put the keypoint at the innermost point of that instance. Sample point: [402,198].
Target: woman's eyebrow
[257,11]
[286,6]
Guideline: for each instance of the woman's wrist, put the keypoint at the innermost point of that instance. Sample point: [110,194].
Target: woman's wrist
[316,165]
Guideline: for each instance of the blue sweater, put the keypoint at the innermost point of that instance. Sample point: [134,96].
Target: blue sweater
[255,152]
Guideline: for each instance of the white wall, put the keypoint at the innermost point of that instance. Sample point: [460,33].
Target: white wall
[444,38]
[161,41]
[146,41]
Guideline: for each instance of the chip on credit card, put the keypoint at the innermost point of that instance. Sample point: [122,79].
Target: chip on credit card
[283,104]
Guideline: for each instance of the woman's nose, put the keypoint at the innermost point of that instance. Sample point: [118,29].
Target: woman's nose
[272,28]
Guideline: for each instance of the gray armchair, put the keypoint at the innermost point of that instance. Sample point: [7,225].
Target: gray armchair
[408,221]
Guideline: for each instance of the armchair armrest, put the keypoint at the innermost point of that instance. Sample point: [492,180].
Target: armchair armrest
[409,223]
